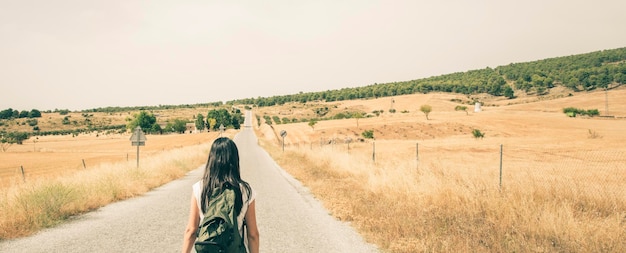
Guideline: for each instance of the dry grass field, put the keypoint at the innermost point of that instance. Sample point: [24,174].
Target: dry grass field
[50,156]
[562,187]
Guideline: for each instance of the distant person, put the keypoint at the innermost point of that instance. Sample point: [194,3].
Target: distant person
[222,172]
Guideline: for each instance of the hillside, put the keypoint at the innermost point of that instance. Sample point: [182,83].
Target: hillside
[541,117]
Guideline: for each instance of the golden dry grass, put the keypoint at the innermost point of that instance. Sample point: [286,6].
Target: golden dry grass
[562,190]
[50,156]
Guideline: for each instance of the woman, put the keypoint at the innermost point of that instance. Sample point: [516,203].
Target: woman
[222,168]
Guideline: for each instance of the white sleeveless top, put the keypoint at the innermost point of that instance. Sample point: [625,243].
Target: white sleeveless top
[197,192]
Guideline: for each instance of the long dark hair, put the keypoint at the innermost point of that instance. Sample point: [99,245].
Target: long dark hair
[222,170]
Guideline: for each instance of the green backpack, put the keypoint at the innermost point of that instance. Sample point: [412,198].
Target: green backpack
[219,231]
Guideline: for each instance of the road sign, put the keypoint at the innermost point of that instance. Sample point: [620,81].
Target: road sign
[138,138]
[283,133]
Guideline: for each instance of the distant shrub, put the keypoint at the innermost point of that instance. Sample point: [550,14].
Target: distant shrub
[461,108]
[572,112]
[377,112]
[478,134]
[368,134]
[268,120]
[276,119]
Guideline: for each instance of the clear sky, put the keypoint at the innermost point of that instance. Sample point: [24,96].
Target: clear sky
[77,54]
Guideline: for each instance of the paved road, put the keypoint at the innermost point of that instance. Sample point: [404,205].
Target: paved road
[289,218]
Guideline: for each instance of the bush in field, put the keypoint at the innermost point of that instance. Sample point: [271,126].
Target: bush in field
[267,119]
[368,134]
[478,134]
[572,112]
[426,109]
[276,119]
[312,123]
[461,108]
[32,122]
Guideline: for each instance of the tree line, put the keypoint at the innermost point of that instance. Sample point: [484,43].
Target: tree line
[212,122]
[583,72]
[16,114]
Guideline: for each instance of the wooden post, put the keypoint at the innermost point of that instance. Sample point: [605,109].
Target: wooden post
[84,166]
[23,175]
[137,156]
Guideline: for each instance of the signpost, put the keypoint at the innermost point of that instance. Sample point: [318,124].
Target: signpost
[283,133]
[138,139]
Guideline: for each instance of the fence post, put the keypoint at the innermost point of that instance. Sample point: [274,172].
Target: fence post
[374,151]
[417,155]
[500,166]
[84,166]
[23,175]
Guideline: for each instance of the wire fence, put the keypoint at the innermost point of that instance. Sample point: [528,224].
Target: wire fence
[600,172]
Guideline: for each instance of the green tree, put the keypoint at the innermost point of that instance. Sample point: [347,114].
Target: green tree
[237,120]
[200,124]
[23,114]
[178,126]
[478,134]
[221,116]
[156,128]
[426,109]
[14,138]
[6,114]
[268,119]
[357,116]
[312,123]
[34,113]
[276,119]
[144,120]
[368,134]
[508,92]
[212,123]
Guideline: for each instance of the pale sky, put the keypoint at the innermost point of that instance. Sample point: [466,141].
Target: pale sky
[86,54]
